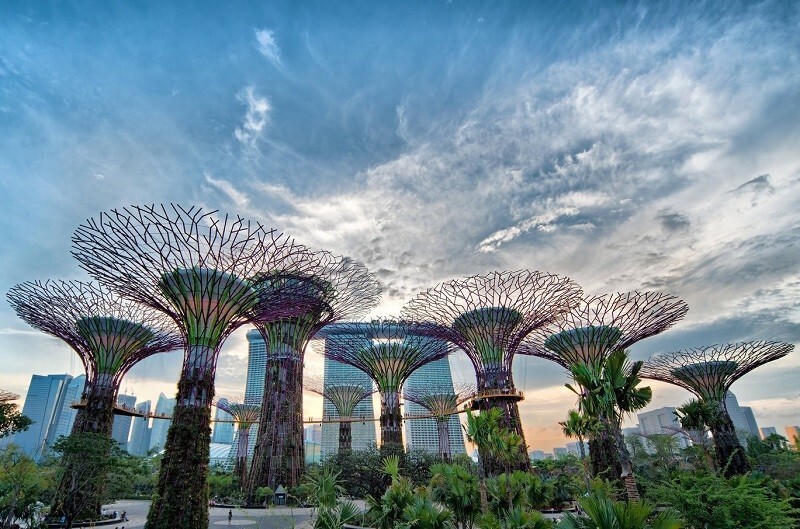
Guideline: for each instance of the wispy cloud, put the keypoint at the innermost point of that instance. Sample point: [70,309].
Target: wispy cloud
[268,46]
[255,118]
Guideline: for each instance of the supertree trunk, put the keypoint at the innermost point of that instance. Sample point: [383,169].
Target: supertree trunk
[391,422]
[731,458]
[241,455]
[500,383]
[443,433]
[604,456]
[345,436]
[186,450]
[280,453]
[97,415]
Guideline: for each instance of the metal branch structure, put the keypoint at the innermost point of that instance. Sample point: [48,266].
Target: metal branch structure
[441,404]
[709,372]
[488,317]
[244,416]
[388,351]
[588,333]
[199,269]
[345,398]
[601,324]
[110,335]
[333,289]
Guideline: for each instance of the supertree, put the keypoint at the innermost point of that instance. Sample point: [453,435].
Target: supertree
[199,269]
[345,398]
[388,351]
[588,333]
[709,372]
[488,317]
[441,403]
[244,416]
[334,288]
[110,334]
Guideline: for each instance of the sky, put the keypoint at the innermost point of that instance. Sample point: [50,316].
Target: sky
[649,146]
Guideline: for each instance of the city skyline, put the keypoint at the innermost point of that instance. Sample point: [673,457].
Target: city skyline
[627,146]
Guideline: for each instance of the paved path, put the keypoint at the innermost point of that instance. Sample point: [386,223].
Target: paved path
[275,518]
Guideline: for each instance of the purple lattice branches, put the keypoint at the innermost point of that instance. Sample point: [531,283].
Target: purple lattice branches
[440,401]
[244,415]
[190,264]
[110,334]
[387,350]
[344,397]
[601,324]
[328,287]
[709,371]
[488,316]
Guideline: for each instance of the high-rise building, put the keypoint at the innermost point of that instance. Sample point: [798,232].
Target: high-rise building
[313,433]
[661,422]
[64,418]
[752,425]
[537,455]
[575,449]
[766,431]
[139,442]
[256,367]
[223,426]
[793,436]
[122,423]
[421,434]
[560,451]
[740,424]
[158,435]
[45,398]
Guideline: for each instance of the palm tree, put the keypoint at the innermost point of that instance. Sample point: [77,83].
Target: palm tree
[602,513]
[695,418]
[608,391]
[580,426]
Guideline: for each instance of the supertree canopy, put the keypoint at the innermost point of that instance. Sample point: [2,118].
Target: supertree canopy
[334,288]
[199,269]
[244,416]
[110,335]
[588,333]
[601,324]
[709,372]
[345,398]
[441,403]
[488,317]
[388,351]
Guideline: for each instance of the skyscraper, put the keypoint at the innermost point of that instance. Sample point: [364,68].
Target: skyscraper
[256,367]
[662,422]
[45,398]
[751,420]
[65,416]
[766,431]
[140,431]
[363,432]
[421,434]
[223,431]
[158,435]
[738,417]
[122,423]
[793,435]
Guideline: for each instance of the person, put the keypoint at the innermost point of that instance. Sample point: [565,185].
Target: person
[230,516]
[124,517]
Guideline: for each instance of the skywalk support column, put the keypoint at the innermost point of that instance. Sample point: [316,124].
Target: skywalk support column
[198,269]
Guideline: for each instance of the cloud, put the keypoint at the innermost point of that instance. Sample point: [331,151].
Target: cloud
[268,46]
[673,221]
[255,118]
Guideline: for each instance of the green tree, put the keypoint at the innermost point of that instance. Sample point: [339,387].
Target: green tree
[89,464]
[580,426]
[609,391]
[23,484]
[456,487]
[11,420]
[603,513]
[517,518]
